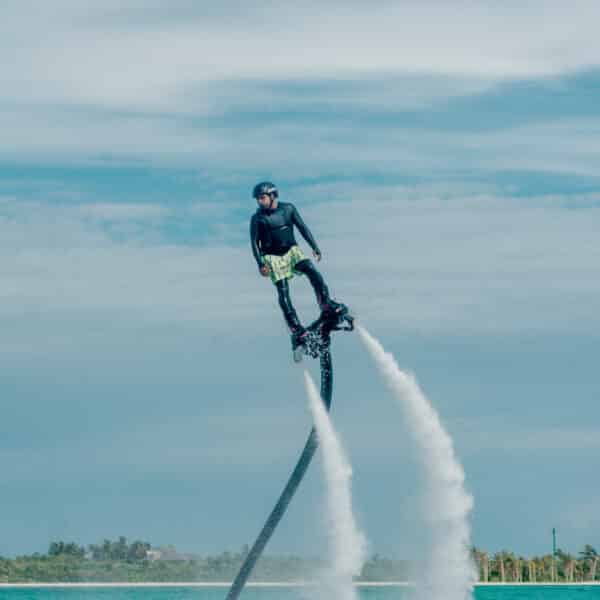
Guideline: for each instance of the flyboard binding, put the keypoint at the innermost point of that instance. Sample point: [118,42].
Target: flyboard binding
[317,338]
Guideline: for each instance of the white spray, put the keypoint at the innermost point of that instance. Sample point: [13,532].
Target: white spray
[347,543]
[451,572]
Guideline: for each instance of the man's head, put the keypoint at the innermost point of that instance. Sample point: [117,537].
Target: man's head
[266,194]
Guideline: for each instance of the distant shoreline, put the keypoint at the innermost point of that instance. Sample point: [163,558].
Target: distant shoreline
[224,584]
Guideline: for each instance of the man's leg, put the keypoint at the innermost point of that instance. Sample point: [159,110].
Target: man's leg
[328,306]
[285,302]
[298,332]
[307,268]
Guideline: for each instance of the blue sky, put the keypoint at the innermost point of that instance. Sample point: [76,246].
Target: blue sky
[447,162]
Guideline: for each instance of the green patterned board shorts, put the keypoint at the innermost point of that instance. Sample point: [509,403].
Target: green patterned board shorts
[282,267]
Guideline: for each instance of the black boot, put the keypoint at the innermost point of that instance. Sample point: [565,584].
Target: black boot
[331,308]
[297,336]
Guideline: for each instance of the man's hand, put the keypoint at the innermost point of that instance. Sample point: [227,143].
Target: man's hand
[317,255]
[264,270]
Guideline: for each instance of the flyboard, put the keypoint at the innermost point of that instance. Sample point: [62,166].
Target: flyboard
[317,345]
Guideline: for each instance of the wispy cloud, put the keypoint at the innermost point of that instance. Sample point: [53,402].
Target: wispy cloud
[135,82]
[468,261]
[141,54]
[453,262]
[110,211]
[337,139]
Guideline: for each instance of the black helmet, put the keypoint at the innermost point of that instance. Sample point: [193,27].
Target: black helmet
[265,187]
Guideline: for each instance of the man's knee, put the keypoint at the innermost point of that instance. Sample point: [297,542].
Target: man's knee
[306,266]
[283,292]
[282,288]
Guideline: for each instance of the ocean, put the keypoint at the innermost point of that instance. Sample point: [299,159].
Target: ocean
[506,592]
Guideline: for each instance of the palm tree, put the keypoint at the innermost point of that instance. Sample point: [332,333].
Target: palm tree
[590,556]
[485,565]
[547,567]
[519,569]
[579,570]
[511,565]
[499,560]
[568,565]
[531,567]
[593,568]
[481,560]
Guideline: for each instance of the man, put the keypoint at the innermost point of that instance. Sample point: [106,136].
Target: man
[278,255]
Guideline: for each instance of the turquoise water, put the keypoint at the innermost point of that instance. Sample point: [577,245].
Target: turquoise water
[581,592]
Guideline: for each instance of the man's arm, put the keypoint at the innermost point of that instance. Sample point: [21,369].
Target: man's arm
[304,230]
[254,242]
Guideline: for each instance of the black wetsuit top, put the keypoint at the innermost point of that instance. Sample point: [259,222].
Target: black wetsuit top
[272,231]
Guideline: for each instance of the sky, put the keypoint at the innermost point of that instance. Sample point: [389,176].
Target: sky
[446,158]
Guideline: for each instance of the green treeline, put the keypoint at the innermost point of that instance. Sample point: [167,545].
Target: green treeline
[563,567]
[120,561]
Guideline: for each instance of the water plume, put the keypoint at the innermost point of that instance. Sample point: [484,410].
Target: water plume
[347,543]
[450,574]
